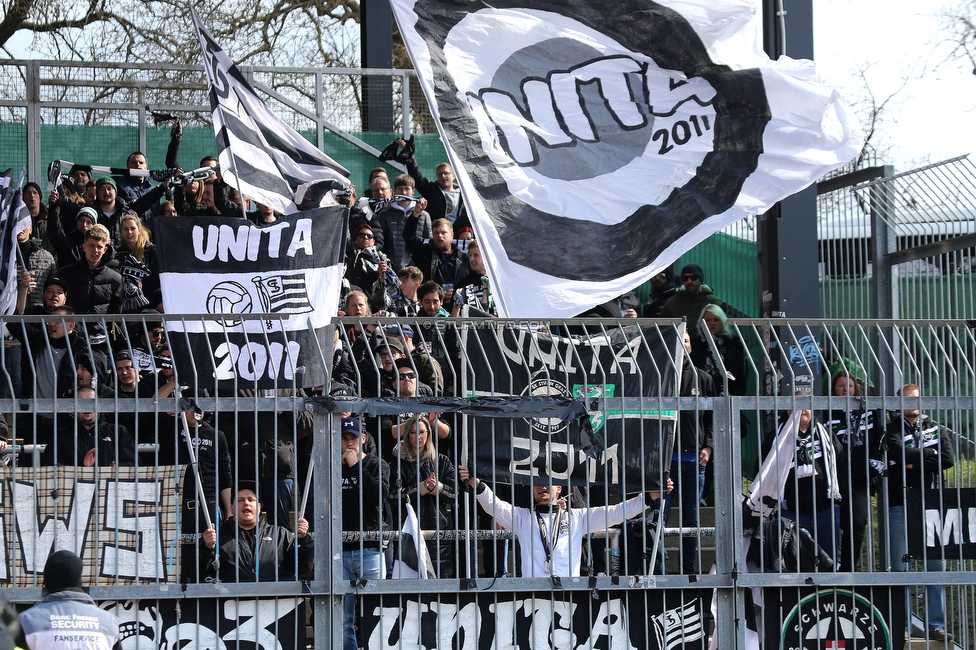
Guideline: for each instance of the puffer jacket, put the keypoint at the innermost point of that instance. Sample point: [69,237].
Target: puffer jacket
[92,291]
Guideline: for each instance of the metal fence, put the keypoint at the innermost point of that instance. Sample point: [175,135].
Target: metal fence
[899,245]
[96,113]
[589,406]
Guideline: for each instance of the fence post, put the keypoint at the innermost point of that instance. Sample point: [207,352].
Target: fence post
[327,606]
[884,240]
[729,601]
[33,70]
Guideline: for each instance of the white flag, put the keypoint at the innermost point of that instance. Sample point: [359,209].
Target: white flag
[412,557]
[595,142]
[768,488]
[259,154]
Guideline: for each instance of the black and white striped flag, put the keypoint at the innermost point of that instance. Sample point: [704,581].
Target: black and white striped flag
[289,272]
[596,142]
[259,154]
[14,217]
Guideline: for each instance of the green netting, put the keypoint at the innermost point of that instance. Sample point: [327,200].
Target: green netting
[920,297]
[13,145]
[731,266]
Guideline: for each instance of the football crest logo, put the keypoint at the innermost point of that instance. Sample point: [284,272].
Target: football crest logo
[835,618]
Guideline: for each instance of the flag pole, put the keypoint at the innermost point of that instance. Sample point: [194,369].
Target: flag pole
[308,487]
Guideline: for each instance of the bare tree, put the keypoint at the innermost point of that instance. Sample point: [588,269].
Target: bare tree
[959,33]
[278,32]
[874,110]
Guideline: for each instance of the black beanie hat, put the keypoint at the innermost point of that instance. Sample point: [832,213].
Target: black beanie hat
[692,268]
[62,571]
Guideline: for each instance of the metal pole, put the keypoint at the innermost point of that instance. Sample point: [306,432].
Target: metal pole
[307,488]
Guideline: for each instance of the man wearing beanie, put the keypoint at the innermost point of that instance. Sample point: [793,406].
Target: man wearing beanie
[109,205]
[691,298]
[68,617]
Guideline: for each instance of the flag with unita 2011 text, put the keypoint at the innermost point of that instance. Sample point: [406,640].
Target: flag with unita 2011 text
[596,142]
[226,271]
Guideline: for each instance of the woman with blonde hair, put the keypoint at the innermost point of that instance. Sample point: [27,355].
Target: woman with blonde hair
[427,480]
[729,347]
[134,239]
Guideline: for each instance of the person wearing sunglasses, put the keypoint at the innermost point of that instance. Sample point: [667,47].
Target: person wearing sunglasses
[364,258]
[691,298]
[411,386]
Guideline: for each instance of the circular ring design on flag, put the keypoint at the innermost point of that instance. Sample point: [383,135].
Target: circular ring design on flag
[584,250]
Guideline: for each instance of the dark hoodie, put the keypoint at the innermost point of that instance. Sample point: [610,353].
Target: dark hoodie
[653,307]
[97,364]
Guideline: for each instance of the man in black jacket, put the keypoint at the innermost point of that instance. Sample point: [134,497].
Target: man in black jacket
[93,286]
[444,200]
[365,488]
[251,549]
[919,450]
[212,468]
[88,441]
[439,260]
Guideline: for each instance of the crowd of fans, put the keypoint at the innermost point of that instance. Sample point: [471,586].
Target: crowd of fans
[89,251]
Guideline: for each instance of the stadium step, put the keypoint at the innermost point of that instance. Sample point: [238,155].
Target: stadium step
[705,557]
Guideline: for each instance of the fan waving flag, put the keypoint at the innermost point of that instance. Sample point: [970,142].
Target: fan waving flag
[260,155]
[14,217]
[595,142]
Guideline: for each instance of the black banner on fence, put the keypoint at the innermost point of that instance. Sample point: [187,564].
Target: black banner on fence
[633,444]
[648,620]
[289,270]
[946,519]
[231,624]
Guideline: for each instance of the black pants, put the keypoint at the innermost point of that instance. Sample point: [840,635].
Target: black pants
[855,508]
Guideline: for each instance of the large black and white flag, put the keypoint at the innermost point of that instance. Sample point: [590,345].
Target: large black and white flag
[259,154]
[14,217]
[288,271]
[595,142]
[633,432]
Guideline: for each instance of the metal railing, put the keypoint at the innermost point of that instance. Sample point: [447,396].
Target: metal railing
[515,398]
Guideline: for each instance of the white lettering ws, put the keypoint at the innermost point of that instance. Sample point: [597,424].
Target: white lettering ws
[247,243]
[129,509]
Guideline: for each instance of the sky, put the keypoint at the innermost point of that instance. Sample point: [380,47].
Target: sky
[930,119]
[933,117]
